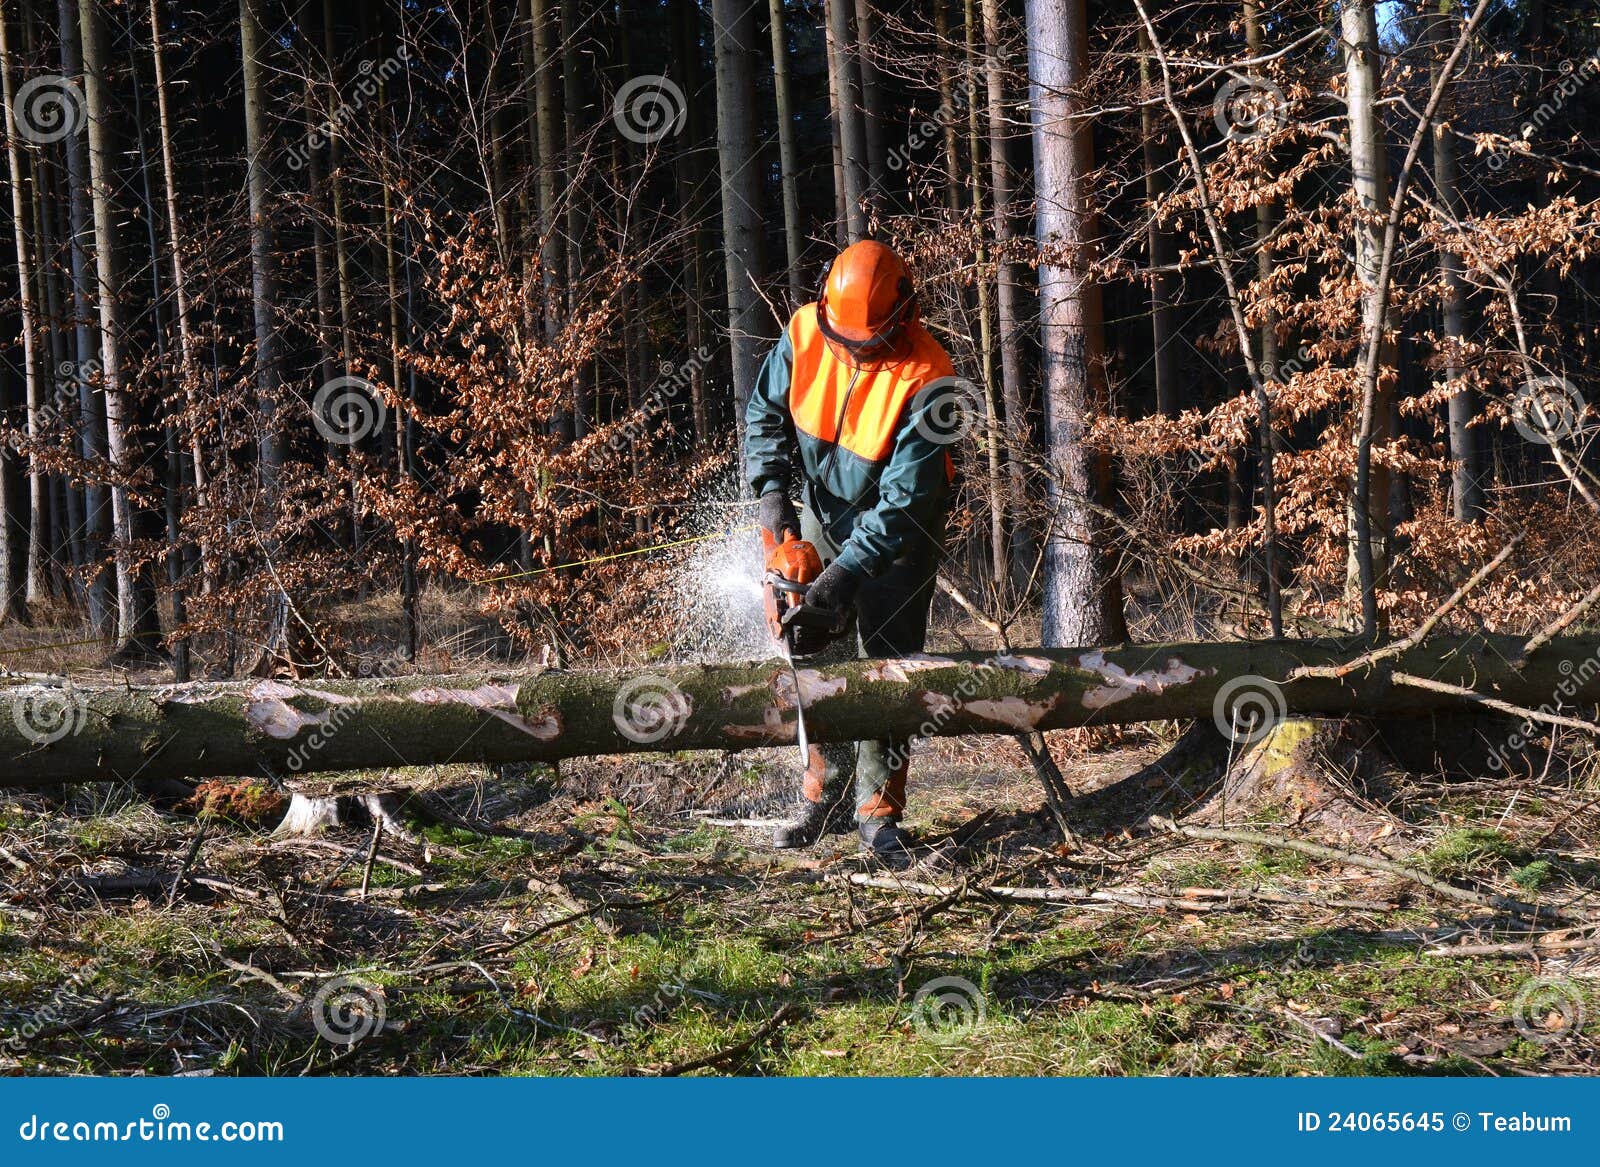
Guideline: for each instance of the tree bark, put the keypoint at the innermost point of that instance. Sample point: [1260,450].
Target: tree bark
[1466,457]
[138,621]
[1368,559]
[847,111]
[1082,596]
[51,732]
[742,222]
[788,157]
[98,584]
[269,444]
[32,373]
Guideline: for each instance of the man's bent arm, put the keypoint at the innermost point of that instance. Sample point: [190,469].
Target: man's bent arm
[768,432]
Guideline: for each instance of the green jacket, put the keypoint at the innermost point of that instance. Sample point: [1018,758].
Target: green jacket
[869,443]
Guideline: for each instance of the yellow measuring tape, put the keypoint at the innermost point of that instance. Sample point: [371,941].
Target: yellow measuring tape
[620,554]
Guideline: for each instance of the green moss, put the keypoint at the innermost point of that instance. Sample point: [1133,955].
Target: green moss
[1473,850]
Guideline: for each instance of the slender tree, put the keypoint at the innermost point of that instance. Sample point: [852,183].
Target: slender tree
[742,218]
[1082,597]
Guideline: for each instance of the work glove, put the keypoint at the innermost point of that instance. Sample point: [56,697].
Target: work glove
[777,514]
[824,615]
[834,590]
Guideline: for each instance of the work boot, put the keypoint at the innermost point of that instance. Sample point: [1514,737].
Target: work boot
[812,821]
[886,840]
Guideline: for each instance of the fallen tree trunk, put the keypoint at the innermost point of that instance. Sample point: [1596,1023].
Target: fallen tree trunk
[56,732]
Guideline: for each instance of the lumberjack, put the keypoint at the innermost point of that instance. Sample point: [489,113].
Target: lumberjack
[854,406]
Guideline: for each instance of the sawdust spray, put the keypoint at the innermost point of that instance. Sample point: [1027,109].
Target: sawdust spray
[719,581]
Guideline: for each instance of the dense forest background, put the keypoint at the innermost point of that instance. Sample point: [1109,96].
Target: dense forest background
[1270,315]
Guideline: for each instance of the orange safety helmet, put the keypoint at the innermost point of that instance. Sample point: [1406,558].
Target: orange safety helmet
[866,299]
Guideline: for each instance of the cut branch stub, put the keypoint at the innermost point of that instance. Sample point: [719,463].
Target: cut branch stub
[53,733]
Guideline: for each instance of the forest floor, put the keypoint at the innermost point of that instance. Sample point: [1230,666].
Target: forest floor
[596,922]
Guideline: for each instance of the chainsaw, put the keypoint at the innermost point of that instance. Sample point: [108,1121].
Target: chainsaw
[801,629]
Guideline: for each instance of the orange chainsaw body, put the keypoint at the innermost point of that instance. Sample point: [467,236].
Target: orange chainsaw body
[792,566]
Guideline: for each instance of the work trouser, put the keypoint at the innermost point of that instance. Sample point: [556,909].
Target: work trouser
[891,619]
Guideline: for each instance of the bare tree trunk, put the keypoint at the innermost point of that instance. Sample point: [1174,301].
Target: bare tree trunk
[1159,245]
[1024,545]
[1367,569]
[788,158]
[99,583]
[1466,456]
[742,221]
[188,346]
[947,105]
[269,445]
[852,132]
[574,90]
[1082,596]
[871,100]
[841,202]
[32,372]
[691,176]
[138,621]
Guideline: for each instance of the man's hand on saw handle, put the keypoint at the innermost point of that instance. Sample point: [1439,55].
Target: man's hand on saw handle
[777,514]
[824,614]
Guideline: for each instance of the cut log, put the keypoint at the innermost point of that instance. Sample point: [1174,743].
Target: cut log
[60,733]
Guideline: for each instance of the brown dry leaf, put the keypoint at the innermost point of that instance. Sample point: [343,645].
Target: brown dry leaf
[585,963]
